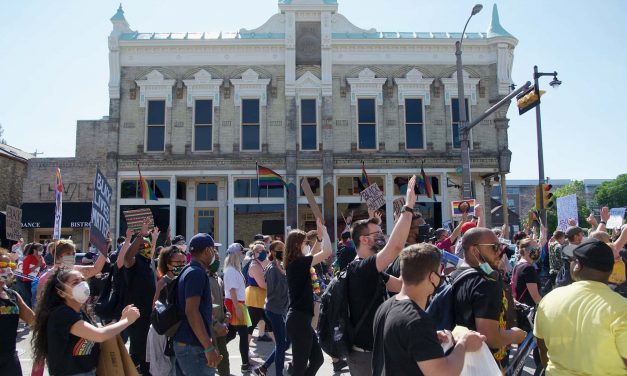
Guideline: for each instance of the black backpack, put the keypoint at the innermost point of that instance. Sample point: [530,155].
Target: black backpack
[563,277]
[110,303]
[442,307]
[335,329]
[166,318]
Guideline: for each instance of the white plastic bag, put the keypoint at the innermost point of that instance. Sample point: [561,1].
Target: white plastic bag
[480,363]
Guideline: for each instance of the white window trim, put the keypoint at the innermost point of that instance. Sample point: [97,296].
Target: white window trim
[469,110]
[424,131]
[197,183]
[300,125]
[376,125]
[414,86]
[250,85]
[470,88]
[241,125]
[366,85]
[213,113]
[165,123]
[203,86]
[155,86]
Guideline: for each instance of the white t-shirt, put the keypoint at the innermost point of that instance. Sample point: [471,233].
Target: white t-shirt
[234,280]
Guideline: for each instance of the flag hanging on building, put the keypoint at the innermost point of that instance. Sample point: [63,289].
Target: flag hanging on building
[268,178]
[58,212]
[424,184]
[364,180]
[144,188]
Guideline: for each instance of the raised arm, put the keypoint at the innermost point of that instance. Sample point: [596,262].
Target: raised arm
[92,333]
[620,242]
[605,216]
[89,271]
[325,248]
[480,215]
[458,229]
[400,231]
[129,256]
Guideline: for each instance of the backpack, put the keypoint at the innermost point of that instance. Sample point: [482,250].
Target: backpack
[110,303]
[245,271]
[563,277]
[166,318]
[441,308]
[335,329]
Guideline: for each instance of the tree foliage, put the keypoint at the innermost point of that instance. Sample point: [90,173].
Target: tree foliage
[576,187]
[613,193]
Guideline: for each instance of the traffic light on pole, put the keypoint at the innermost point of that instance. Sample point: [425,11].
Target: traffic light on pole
[527,100]
[547,196]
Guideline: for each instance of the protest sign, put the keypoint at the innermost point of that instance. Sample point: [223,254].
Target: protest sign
[397,205]
[458,208]
[100,212]
[311,199]
[373,196]
[566,208]
[14,223]
[135,218]
[615,221]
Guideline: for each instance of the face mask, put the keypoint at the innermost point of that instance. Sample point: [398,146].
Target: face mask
[176,270]
[307,249]
[80,292]
[262,256]
[68,261]
[485,267]
[379,242]
[279,255]
[215,266]
[534,254]
[146,252]
[6,274]
[40,253]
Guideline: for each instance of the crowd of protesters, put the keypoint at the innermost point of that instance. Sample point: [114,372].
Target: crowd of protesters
[559,295]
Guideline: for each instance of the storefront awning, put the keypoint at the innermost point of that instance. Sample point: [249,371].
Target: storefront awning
[41,215]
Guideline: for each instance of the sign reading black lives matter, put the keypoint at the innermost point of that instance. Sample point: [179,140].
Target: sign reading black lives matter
[100,212]
[373,196]
[14,223]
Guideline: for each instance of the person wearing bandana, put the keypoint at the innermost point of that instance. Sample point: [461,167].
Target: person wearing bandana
[141,287]
[12,309]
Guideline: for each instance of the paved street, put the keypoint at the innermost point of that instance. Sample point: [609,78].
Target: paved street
[258,351]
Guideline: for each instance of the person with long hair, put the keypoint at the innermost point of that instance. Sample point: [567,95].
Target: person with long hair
[256,292]
[63,334]
[12,309]
[276,308]
[307,355]
[235,298]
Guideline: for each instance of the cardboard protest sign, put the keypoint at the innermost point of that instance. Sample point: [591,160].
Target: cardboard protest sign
[135,218]
[458,208]
[311,199]
[14,223]
[373,196]
[100,212]
[615,221]
[397,205]
[566,208]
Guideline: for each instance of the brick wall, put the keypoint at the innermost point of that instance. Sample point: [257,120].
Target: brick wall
[13,173]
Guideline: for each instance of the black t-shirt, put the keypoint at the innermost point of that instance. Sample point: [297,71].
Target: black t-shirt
[9,319]
[364,284]
[395,268]
[404,335]
[140,280]
[67,353]
[524,273]
[345,254]
[299,285]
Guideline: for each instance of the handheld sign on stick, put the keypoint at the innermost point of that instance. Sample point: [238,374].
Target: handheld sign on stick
[311,199]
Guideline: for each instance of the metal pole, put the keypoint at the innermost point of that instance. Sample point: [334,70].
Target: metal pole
[464,132]
[540,150]
[504,201]
[498,105]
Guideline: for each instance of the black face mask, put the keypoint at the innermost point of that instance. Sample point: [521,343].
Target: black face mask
[435,287]
[279,255]
[379,243]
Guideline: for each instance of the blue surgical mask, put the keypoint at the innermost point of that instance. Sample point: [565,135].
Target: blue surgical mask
[262,256]
[485,267]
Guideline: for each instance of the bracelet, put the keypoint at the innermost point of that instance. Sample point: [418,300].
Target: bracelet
[209,349]
[603,223]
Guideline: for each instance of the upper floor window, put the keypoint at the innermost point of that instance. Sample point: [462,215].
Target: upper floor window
[130,188]
[155,125]
[308,125]
[367,123]
[203,125]
[414,124]
[206,192]
[457,137]
[251,130]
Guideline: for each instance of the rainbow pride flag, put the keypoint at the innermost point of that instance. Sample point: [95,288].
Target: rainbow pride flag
[144,188]
[424,184]
[268,178]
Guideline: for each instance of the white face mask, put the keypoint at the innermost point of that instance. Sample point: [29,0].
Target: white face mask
[6,274]
[68,261]
[81,292]
[306,249]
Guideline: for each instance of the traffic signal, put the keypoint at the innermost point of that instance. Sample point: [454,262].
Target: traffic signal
[547,196]
[527,100]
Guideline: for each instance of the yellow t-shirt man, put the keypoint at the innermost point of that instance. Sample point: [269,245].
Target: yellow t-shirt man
[584,327]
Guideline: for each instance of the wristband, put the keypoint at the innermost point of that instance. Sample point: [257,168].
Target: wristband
[603,223]
[209,349]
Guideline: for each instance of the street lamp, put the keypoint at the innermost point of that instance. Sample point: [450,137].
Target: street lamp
[461,100]
[555,83]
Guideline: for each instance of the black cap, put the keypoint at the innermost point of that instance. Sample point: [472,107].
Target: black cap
[258,237]
[346,235]
[595,254]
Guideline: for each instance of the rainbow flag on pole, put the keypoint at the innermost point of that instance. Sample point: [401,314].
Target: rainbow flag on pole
[364,180]
[424,184]
[268,178]
[144,188]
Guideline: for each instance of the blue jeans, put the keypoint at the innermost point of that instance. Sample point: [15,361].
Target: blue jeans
[191,360]
[281,342]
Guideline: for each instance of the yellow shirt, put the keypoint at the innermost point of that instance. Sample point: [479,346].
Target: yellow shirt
[584,327]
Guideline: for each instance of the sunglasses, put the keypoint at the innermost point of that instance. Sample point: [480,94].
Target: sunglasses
[11,265]
[494,247]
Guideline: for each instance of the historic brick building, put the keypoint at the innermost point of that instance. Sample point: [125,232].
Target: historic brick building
[307,94]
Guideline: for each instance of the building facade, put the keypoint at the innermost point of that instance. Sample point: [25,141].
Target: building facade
[307,94]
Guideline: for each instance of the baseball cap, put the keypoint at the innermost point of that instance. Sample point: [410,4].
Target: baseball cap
[467,226]
[234,248]
[595,254]
[572,231]
[258,237]
[202,241]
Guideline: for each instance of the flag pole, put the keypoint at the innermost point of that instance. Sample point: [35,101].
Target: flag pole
[258,187]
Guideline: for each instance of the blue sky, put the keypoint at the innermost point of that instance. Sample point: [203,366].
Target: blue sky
[55,71]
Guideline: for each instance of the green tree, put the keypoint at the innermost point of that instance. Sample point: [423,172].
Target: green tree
[613,193]
[576,187]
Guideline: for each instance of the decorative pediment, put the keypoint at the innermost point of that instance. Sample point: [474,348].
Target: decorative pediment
[203,86]
[308,86]
[414,85]
[366,85]
[470,87]
[155,86]
[250,85]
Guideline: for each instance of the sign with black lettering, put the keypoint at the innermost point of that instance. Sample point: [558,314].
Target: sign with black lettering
[100,212]
[14,223]
[373,196]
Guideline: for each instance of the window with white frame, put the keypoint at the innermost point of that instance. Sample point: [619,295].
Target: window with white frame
[414,124]
[251,130]
[457,140]
[203,125]
[155,125]
[367,123]
[308,125]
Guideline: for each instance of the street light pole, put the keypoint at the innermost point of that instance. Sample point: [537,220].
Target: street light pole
[463,120]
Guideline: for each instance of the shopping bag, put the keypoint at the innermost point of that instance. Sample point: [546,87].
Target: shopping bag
[114,358]
[127,362]
[480,363]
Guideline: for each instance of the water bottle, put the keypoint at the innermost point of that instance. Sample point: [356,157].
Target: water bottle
[337,334]
[450,259]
